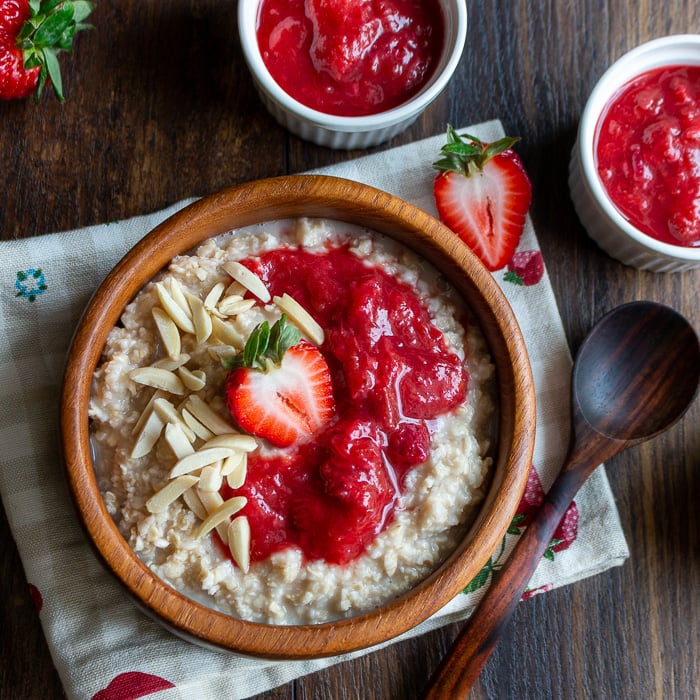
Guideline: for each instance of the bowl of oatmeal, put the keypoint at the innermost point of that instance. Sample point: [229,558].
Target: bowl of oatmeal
[297,418]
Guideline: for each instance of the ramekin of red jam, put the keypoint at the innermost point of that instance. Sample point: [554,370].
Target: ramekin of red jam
[634,173]
[350,73]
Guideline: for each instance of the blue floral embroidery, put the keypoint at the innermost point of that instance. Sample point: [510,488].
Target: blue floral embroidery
[30,283]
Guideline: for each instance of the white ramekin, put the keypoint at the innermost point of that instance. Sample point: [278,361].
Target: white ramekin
[602,220]
[350,132]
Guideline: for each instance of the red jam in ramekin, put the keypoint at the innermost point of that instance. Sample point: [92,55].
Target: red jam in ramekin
[350,57]
[648,153]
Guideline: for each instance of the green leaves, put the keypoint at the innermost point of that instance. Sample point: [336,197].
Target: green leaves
[48,31]
[465,154]
[265,345]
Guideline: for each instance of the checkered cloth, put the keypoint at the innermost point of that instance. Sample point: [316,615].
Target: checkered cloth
[102,645]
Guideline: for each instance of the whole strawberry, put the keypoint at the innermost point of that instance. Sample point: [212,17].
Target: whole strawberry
[483,193]
[32,34]
[525,268]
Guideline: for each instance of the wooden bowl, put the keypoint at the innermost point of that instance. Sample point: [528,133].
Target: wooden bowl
[282,198]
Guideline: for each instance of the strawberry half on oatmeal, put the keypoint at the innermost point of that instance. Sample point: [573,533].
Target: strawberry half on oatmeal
[292,424]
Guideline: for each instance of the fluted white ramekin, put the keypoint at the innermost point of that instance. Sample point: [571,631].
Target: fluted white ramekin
[350,132]
[601,219]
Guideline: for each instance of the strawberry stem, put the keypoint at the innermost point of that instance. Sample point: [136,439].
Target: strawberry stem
[265,346]
[50,29]
[466,154]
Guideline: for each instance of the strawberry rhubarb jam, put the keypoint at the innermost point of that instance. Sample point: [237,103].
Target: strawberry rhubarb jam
[350,57]
[294,461]
[648,153]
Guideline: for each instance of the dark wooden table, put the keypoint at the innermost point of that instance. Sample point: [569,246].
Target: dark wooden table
[159,106]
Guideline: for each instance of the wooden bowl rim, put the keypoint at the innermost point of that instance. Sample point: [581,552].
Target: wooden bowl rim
[281,198]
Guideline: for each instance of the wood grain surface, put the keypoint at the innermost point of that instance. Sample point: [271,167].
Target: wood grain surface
[159,106]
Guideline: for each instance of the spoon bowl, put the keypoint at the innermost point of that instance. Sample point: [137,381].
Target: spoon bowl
[636,374]
[624,365]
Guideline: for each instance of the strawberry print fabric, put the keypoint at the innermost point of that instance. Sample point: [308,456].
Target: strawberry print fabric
[104,647]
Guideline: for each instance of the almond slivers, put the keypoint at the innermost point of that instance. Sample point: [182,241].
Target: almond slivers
[201,320]
[207,416]
[239,542]
[226,333]
[194,503]
[248,279]
[233,441]
[148,436]
[210,478]
[235,469]
[194,380]
[215,293]
[173,309]
[169,493]
[176,438]
[168,331]
[301,318]
[221,514]
[199,459]
[158,378]
[195,426]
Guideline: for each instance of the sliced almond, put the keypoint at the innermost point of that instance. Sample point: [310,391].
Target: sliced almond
[210,478]
[234,441]
[172,364]
[215,293]
[207,416]
[178,294]
[158,379]
[176,438]
[200,319]
[248,279]
[199,459]
[195,426]
[169,493]
[226,333]
[174,310]
[235,469]
[148,436]
[239,542]
[169,414]
[194,502]
[211,500]
[218,352]
[234,305]
[235,289]
[157,394]
[221,514]
[301,318]
[168,331]
[194,380]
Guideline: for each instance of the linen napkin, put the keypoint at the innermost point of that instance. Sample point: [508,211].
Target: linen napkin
[106,649]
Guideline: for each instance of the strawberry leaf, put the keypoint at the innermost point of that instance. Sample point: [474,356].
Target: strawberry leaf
[265,345]
[464,153]
[54,71]
[53,27]
[513,277]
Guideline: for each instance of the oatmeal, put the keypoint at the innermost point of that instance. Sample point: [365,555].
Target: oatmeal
[343,514]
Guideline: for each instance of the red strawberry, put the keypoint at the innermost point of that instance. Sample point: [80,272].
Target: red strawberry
[32,34]
[280,387]
[482,193]
[525,268]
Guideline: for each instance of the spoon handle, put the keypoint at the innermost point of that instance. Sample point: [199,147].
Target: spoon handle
[471,650]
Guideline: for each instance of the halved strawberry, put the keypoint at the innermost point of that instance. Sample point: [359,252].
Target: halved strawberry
[280,387]
[482,193]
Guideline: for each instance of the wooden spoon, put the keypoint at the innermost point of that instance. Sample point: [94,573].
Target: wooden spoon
[635,375]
